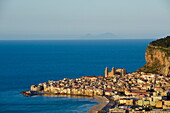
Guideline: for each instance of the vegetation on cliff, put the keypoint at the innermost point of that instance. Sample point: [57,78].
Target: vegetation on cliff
[163,42]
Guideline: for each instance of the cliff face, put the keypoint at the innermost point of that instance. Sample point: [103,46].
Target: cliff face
[157,57]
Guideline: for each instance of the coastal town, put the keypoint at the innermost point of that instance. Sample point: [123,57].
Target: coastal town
[117,91]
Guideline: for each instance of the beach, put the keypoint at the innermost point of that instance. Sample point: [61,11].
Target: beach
[103,102]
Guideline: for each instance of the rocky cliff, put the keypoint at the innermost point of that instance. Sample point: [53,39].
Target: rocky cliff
[157,57]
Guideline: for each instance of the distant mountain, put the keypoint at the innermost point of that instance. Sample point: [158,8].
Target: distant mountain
[100,36]
[106,36]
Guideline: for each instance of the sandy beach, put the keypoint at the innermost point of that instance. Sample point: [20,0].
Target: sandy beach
[103,102]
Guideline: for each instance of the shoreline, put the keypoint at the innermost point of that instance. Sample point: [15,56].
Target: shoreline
[103,101]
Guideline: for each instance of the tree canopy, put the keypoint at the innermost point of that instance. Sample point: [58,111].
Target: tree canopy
[163,42]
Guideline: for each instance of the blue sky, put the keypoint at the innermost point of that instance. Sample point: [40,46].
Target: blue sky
[124,18]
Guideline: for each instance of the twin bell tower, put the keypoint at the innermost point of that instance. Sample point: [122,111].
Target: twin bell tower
[114,72]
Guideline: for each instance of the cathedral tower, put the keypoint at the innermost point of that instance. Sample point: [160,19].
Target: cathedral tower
[113,71]
[106,72]
[109,74]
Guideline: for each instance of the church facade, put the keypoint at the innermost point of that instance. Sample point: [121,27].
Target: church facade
[114,72]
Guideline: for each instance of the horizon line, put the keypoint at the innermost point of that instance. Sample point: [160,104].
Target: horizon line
[74,39]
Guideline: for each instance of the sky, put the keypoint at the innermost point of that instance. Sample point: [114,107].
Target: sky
[64,18]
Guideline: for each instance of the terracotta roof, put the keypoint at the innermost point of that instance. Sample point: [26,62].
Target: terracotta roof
[110,89]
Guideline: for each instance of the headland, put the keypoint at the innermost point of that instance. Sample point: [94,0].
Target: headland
[144,91]
[157,57]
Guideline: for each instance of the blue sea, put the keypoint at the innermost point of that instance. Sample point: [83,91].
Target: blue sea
[24,63]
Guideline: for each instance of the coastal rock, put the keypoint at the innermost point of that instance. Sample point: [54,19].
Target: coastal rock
[157,57]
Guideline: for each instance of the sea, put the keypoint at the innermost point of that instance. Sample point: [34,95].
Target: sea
[24,63]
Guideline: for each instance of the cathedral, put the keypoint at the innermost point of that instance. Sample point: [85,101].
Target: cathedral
[114,72]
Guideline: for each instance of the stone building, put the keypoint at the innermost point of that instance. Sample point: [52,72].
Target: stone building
[109,74]
[121,71]
[114,71]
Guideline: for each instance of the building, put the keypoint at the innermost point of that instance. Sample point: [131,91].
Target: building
[121,71]
[114,71]
[166,104]
[109,74]
[116,110]
[126,101]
